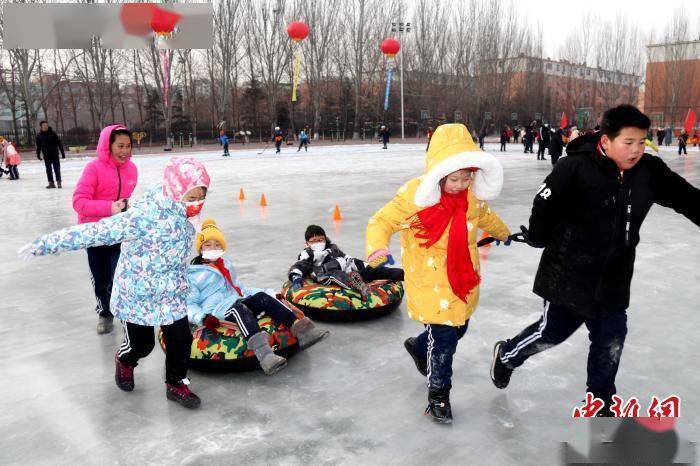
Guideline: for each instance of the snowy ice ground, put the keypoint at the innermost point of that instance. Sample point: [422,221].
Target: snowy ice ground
[355,398]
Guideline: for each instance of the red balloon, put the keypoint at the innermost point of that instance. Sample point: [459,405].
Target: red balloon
[390,46]
[297,31]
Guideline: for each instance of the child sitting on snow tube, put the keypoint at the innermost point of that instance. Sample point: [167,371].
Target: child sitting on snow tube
[326,264]
[216,293]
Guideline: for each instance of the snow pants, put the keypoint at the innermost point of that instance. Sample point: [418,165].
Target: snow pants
[606,334]
[139,342]
[246,312]
[439,343]
[103,262]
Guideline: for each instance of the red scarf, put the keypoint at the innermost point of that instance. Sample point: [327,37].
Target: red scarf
[431,223]
[218,264]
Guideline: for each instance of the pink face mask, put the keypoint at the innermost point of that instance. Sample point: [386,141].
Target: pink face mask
[193,208]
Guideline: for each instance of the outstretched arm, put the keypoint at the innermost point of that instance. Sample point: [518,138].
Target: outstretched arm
[672,190]
[108,231]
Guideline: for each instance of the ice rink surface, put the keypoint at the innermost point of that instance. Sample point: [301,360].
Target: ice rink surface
[355,398]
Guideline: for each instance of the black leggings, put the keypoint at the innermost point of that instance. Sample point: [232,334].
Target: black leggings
[245,313]
[139,342]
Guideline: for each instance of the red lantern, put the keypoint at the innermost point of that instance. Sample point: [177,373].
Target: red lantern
[390,47]
[297,31]
[136,18]
[164,21]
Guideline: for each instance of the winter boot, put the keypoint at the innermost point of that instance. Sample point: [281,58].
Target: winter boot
[421,361]
[51,185]
[124,375]
[359,284]
[500,373]
[105,324]
[270,363]
[58,185]
[180,393]
[307,333]
[439,408]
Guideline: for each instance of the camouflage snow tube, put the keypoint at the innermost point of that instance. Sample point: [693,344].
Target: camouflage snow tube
[225,349]
[332,303]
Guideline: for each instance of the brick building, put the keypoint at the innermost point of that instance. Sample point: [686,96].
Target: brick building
[556,86]
[672,82]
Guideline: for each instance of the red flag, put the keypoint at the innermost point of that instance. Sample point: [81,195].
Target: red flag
[690,120]
[564,121]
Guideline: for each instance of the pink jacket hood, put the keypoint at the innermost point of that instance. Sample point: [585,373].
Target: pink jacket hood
[103,152]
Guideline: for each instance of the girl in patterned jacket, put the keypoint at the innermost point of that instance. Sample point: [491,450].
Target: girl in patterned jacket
[150,283]
[216,293]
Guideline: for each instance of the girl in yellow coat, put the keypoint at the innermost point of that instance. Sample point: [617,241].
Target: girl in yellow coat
[438,215]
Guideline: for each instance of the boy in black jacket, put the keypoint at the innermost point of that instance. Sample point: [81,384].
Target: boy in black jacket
[325,263]
[587,216]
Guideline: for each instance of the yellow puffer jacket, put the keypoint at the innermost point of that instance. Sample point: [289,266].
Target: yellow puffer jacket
[429,295]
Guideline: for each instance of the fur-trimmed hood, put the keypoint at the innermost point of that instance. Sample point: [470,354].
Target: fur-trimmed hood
[451,149]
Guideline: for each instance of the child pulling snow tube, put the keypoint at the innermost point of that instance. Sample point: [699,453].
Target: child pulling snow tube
[224,349]
[331,303]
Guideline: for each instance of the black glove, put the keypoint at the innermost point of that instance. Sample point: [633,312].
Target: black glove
[297,283]
[524,237]
[63,156]
[38,156]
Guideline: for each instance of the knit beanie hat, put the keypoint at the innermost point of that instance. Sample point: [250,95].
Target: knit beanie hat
[209,231]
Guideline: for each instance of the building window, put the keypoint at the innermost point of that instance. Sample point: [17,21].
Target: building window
[588,72]
[557,66]
[549,66]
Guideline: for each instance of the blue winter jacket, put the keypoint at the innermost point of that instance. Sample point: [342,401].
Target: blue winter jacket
[150,283]
[211,293]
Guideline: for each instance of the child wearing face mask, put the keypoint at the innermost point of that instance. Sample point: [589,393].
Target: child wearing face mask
[439,215]
[217,293]
[325,263]
[150,283]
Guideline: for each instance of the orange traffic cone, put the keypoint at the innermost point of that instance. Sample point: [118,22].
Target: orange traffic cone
[263,201]
[241,196]
[336,213]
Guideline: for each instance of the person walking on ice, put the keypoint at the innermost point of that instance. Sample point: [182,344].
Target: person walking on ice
[49,144]
[304,140]
[223,139]
[150,282]
[438,216]
[278,137]
[587,216]
[103,190]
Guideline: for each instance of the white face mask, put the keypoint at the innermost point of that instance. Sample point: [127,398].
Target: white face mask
[212,254]
[318,247]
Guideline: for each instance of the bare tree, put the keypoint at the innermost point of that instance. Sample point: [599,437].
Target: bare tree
[265,41]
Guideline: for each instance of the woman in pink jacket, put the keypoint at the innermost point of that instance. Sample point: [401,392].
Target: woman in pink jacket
[103,190]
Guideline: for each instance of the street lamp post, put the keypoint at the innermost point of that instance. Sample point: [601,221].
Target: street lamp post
[400,28]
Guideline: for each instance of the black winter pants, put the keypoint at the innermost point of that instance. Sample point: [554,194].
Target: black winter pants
[439,344]
[103,262]
[139,342]
[606,334]
[53,165]
[370,274]
[246,312]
